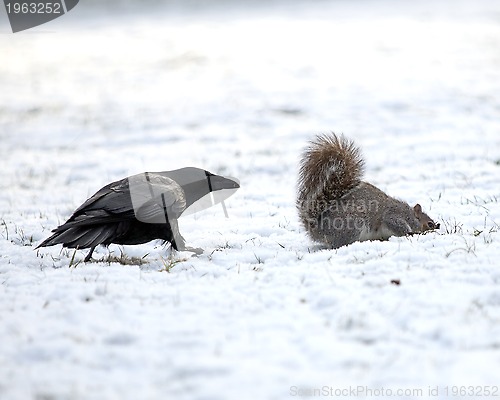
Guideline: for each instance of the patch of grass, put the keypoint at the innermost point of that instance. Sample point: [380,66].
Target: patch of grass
[124,259]
[225,246]
[469,248]
[256,241]
[258,258]
[486,232]
[4,224]
[480,201]
[168,264]
[284,225]
[452,226]
[22,238]
[439,196]
[73,259]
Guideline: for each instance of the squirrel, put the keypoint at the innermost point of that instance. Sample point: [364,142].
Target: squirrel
[337,208]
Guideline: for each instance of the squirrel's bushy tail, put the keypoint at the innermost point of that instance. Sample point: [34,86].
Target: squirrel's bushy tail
[330,167]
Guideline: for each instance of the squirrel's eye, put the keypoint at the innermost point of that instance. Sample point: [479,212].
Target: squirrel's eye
[431,225]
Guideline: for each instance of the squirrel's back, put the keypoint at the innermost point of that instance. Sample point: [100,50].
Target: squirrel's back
[330,167]
[337,208]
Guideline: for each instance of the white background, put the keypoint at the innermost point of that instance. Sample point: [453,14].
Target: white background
[105,92]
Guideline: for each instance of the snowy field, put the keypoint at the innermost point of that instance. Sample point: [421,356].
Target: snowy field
[263,313]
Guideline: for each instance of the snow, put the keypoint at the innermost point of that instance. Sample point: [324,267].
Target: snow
[238,90]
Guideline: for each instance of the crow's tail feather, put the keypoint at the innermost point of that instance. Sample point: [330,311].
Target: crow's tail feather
[82,237]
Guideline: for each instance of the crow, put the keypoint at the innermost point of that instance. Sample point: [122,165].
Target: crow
[138,209]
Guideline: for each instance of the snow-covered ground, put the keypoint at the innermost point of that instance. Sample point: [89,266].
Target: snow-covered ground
[239,89]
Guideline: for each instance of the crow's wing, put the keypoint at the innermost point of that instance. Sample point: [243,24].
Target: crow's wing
[156,198]
[148,197]
[112,196]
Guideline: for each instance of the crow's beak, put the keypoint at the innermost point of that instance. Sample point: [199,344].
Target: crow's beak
[219,182]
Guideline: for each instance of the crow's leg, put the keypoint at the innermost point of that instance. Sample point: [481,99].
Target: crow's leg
[180,245]
[178,242]
[89,256]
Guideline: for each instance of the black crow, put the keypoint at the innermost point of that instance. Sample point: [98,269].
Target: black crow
[139,209]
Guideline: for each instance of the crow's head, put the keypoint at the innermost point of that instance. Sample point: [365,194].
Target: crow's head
[197,184]
[217,182]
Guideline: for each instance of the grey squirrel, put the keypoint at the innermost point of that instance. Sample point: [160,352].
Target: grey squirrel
[337,208]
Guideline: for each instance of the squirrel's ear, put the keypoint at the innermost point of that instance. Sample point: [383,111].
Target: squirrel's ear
[417,208]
